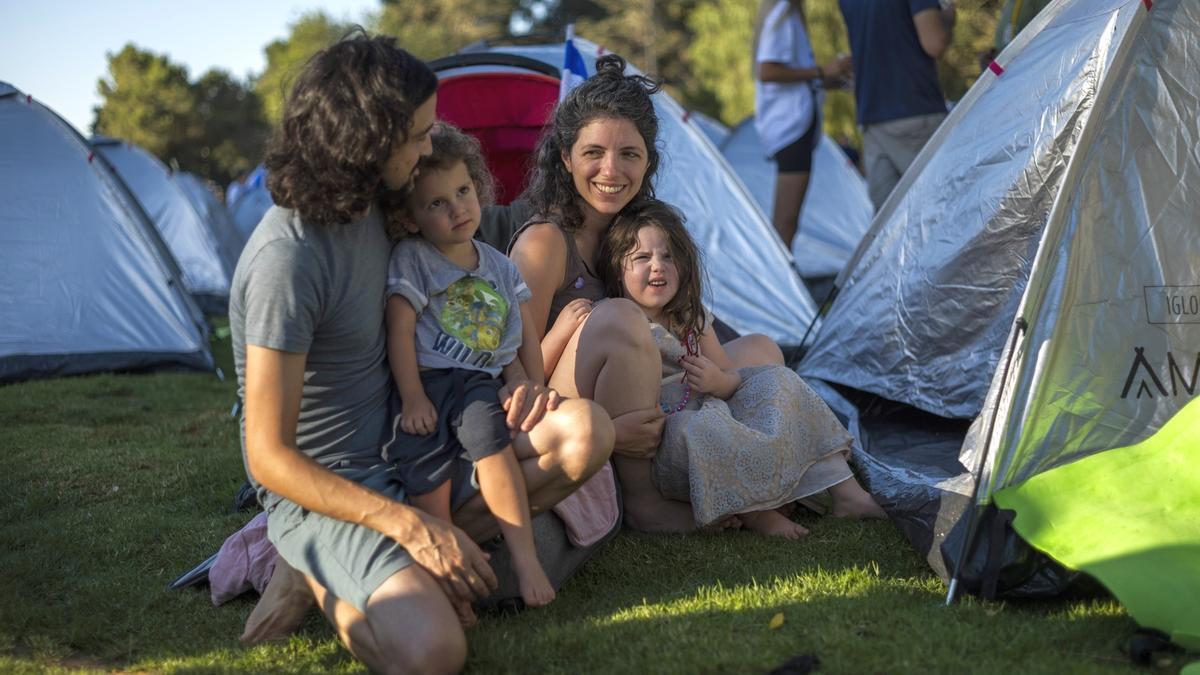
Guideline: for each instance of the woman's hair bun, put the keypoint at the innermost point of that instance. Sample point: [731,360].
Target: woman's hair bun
[610,65]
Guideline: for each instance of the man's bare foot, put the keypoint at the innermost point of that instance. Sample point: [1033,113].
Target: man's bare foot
[536,589]
[773,523]
[285,602]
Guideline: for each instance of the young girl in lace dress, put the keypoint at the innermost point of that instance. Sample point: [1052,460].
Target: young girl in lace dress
[737,442]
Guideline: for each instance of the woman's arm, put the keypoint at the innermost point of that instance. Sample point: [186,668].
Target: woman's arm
[540,254]
[773,71]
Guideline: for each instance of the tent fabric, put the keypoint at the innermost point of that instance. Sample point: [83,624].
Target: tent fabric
[752,284]
[837,209]
[251,205]
[86,283]
[1034,273]
[714,129]
[212,212]
[925,306]
[206,257]
[1130,517]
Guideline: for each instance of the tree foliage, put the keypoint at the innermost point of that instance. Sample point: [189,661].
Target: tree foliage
[286,57]
[212,127]
[147,100]
[434,28]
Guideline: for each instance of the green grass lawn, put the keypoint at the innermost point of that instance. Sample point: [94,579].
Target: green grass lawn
[116,484]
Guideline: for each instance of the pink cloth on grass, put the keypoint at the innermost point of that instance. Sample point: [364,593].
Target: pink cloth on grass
[246,560]
[591,511]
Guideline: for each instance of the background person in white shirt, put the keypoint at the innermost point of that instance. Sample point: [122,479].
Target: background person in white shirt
[787,104]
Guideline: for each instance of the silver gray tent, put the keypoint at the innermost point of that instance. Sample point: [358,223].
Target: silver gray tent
[837,209]
[753,285]
[1033,283]
[207,257]
[86,284]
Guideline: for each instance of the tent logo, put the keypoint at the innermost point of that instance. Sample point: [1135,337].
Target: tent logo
[1172,304]
[1151,384]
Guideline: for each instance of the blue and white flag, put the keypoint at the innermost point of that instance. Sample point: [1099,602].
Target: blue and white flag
[574,71]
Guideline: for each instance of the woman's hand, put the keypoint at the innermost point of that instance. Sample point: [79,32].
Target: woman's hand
[418,417]
[639,432]
[837,71]
[570,318]
[526,403]
[708,378]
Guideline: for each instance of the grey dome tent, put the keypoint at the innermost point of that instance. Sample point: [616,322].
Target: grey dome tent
[86,284]
[250,201]
[505,94]
[1028,298]
[207,257]
[837,209]
[212,212]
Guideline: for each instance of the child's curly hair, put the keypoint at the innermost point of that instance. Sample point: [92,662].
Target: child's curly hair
[452,145]
[685,311]
[350,105]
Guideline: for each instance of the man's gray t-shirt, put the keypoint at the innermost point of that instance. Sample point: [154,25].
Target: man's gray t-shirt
[465,318]
[319,290]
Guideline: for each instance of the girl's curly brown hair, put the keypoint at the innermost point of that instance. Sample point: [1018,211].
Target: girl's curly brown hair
[350,105]
[452,145]
[685,311]
[609,94]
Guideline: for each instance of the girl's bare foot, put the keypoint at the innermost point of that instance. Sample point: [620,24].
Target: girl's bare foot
[851,501]
[536,589]
[773,523]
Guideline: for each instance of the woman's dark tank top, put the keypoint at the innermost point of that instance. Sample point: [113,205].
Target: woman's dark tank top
[578,282]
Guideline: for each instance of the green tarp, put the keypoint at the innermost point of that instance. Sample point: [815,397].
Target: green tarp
[1130,517]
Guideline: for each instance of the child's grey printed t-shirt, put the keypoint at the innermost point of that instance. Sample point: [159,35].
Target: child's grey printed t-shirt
[465,318]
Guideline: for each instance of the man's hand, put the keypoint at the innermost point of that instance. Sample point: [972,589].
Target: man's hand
[456,562]
[417,415]
[639,432]
[526,402]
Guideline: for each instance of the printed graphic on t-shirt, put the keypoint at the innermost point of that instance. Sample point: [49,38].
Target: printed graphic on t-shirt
[472,322]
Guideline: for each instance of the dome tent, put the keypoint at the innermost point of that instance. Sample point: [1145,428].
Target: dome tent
[504,95]
[837,209]
[212,211]
[86,284]
[1025,306]
[206,256]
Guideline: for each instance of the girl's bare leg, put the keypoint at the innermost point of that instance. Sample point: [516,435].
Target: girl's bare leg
[612,359]
[436,502]
[566,447]
[503,490]
[753,350]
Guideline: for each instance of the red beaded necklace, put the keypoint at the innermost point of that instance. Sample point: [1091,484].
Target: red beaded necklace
[693,349]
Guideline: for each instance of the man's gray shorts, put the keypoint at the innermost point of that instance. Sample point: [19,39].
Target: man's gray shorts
[350,561]
[889,147]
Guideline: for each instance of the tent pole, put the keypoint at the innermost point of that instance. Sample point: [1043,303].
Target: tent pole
[830,296]
[973,507]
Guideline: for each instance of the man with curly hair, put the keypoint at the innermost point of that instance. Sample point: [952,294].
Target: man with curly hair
[307,316]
